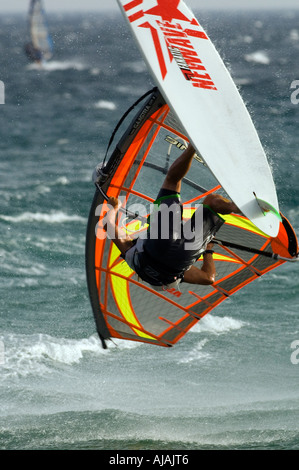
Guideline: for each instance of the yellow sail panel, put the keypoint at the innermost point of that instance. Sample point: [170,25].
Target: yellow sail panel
[243,223]
[119,275]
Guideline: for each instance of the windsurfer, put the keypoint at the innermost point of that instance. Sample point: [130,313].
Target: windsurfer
[162,261]
[33,53]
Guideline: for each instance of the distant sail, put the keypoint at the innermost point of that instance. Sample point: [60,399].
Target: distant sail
[41,46]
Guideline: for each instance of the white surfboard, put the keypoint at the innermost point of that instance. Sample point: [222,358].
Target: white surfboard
[197,86]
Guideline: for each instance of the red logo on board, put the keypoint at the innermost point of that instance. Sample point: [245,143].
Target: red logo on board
[167,10]
[177,38]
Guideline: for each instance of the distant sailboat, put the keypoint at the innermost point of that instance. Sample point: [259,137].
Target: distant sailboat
[40,49]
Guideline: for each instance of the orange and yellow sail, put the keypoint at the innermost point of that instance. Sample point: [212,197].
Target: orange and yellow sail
[124,306]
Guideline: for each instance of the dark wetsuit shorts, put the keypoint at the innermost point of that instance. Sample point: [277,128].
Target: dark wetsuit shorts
[174,243]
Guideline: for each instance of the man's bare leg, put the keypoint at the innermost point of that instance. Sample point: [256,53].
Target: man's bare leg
[221,205]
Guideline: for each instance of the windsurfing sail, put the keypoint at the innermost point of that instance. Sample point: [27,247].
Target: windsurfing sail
[41,46]
[125,307]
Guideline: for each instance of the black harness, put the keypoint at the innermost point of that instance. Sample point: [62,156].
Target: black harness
[153,271]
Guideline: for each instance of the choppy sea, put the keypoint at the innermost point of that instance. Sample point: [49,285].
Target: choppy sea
[233,382]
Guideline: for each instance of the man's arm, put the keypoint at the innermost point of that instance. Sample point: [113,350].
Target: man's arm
[206,274]
[117,235]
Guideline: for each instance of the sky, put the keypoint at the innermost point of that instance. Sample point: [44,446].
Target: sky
[111,5]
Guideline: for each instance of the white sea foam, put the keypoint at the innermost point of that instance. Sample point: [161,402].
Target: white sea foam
[63,141]
[29,270]
[54,65]
[63,180]
[259,57]
[42,188]
[11,262]
[258,24]
[196,354]
[209,324]
[41,354]
[217,325]
[66,245]
[55,217]
[103,104]
[243,81]
[294,35]
[137,67]
[94,71]
[248,39]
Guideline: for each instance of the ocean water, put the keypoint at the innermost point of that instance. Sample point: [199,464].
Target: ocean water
[232,382]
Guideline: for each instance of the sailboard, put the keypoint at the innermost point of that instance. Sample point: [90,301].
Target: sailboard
[124,307]
[196,84]
[40,48]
